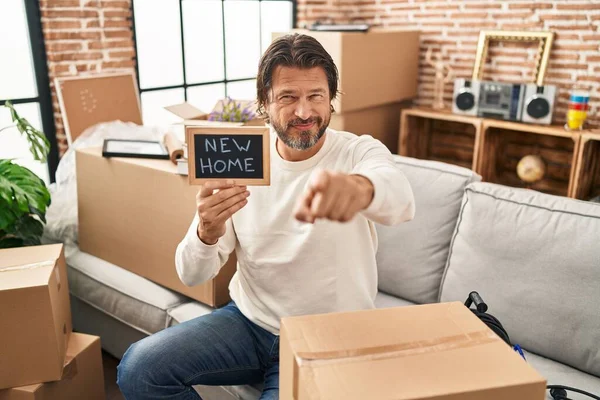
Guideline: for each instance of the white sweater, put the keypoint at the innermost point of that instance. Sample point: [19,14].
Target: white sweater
[286,267]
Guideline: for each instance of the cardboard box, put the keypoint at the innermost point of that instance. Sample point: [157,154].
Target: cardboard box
[83,376]
[381,122]
[133,213]
[193,116]
[375,68]
[35,314]
[92,99]
[436,351]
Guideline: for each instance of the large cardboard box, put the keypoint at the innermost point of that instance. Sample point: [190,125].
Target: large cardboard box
[436,351]
[35,314]
[133,213]
[83,376]
[381,122]
[375,68]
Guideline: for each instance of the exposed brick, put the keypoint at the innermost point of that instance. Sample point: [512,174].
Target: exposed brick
[117,14]
[68,13]
[478,6]
[74,56]
[592,58]
[117,24]
[62,24]
[428,15]
[536,6]
[488,24]
[563,17]
[512,15]
[45,4]
[48,35]
[63,46]
[92,24]
[595,37]
[118,34]
[118,64]
[523,26]
[471,15]
[570,27]
[58,69]
[115,4]
[565,56]
[121,54]
[577,46]
[564,66]
[436,7]
[565,36]
[578,6]
[558,75]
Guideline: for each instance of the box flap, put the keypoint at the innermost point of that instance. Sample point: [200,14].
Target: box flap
[186,111]
[27,266]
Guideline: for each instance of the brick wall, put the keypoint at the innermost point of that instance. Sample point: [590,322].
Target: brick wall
[85,37]
[453,26]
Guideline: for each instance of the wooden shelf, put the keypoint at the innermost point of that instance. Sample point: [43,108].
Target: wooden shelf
[586,179]
[440,136]
[493,149]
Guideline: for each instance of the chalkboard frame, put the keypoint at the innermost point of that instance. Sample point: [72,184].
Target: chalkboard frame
[192,131]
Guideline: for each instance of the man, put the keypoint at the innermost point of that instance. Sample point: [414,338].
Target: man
[305,245]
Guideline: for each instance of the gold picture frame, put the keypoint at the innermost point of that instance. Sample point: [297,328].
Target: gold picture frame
[544,38]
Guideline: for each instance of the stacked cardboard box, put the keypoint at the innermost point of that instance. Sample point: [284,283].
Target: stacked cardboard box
[378,75]
[36,340]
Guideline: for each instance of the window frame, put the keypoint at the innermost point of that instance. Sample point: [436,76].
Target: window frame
[185,84]
[42,79]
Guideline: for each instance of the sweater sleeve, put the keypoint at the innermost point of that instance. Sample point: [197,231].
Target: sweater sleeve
[393,201]
[197,262]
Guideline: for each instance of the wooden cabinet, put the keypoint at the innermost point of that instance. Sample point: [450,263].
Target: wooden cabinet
[493,149]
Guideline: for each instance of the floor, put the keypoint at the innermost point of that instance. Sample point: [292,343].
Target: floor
[110,377]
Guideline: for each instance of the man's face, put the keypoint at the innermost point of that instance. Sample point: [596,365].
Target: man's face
[299,106]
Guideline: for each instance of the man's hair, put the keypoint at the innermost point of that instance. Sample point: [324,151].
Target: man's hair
[296,51]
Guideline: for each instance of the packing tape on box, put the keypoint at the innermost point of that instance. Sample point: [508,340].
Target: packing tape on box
[308,360]
[29,266]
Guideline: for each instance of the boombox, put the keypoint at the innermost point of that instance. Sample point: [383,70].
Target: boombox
[509,101]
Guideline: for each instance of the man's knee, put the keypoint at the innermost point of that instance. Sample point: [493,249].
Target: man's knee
[132,372]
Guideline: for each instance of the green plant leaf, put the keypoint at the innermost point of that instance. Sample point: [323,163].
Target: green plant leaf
[20,186]
[8,214]
[38,143]
[10,241]
[29,229]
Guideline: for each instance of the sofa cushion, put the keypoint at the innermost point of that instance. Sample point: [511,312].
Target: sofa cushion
[383,300]
[188,311]
[535,259]
[411,256]
[119,293]
[560,374]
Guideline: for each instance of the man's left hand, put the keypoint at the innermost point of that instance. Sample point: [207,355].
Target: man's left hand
[334,196]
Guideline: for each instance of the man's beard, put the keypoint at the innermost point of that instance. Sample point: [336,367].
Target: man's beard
[303,140]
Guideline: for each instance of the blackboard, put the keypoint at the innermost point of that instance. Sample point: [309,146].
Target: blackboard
[222,153]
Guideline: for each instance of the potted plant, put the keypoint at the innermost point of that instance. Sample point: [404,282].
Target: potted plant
[24,196]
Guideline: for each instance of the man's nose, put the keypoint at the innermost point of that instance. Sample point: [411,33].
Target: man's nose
[303,109]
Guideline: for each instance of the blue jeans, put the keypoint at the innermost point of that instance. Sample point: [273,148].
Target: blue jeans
[221,348]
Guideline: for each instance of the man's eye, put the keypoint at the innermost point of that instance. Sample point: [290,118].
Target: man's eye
[316,96]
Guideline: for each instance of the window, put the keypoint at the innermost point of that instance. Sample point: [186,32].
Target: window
[201,51]
[24,81]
